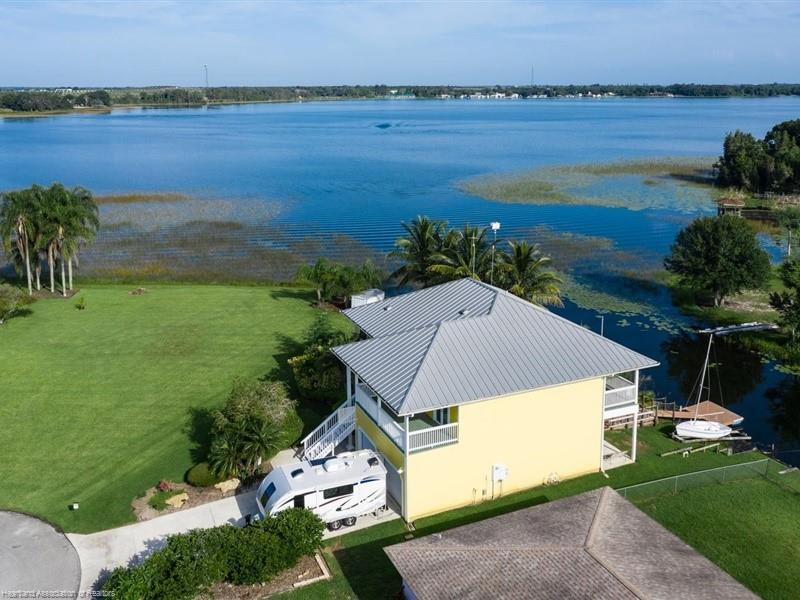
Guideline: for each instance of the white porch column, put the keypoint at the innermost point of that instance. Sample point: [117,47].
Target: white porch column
[404,508]
[380,410]
[348,384]
[635,417]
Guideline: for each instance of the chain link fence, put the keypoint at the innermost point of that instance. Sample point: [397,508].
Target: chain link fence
[679,483]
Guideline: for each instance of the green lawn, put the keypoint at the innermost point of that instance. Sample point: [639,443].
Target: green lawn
[750,528]
[361,569]
[99,404]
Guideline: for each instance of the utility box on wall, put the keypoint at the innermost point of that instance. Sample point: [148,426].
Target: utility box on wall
[499,472]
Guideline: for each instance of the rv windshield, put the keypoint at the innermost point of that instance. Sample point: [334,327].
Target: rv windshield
[268,492]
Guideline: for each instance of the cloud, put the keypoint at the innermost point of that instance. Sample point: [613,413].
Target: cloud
[275,43]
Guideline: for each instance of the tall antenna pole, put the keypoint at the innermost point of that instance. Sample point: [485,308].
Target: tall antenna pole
[531,77]
[205,68]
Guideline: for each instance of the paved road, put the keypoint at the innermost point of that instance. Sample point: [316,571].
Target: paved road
[35,557]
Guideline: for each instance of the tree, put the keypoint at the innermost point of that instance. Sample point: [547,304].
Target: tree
[768,165]
[16,223]
[423,240]
[523,272]
[718,257]
[787,302]
[465,253]
[790,219]
[317,372]
[335,282]
[68,217]
[252,426]
[12,300]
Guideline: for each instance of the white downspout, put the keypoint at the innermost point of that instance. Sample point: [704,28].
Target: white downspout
[603,427]
[404,478]
[635,416]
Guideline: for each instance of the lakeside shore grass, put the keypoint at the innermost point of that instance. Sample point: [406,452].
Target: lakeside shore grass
[586,184]
[100,404]
[141,197]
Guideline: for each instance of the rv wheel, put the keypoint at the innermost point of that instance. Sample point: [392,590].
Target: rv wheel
[333,526]
[349,521]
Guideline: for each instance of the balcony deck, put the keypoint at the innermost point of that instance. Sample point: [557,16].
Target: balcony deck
[620,397]
[424,433]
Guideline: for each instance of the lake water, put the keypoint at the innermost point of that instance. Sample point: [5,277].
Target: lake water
[303,178]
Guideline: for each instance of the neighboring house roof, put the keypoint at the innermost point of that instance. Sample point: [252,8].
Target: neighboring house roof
[470,341]
[594,545]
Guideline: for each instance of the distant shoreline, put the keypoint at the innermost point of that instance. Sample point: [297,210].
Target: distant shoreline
[221,103]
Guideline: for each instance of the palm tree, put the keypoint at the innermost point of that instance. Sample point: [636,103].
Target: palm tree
[68,218]
[522,272]
[81,224]
[321,274]
[465,253]
[16,221]
[416,249]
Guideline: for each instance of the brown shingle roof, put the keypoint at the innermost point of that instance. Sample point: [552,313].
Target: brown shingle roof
[594,545]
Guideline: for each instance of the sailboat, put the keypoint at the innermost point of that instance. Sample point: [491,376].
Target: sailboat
[696,428]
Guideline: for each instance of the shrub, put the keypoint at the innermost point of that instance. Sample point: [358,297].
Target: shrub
[201,475]
[191,562]
[298,527]
[12,301]
[159,499]
[81,303]
[164,485]
[317,373]
[250,428]
[256,555]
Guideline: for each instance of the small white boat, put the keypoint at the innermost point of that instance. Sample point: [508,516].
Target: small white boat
[702,430]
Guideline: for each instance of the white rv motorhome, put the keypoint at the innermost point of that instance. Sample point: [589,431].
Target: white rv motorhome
[337,489]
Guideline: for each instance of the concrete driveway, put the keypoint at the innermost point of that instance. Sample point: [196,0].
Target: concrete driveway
[35,557]
[103,551]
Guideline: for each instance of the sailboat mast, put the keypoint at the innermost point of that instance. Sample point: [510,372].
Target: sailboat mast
[703,376]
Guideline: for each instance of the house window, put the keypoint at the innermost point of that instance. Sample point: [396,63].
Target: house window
[442,416]
[300,501]
[342,490]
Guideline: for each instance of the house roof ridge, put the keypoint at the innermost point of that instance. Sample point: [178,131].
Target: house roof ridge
[410,388]
[505,547]
[588,547]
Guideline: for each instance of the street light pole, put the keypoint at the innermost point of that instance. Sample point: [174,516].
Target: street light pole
[602,323]
[495,225]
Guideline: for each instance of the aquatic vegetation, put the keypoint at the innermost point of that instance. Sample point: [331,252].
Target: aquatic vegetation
[682,184]
[142,197]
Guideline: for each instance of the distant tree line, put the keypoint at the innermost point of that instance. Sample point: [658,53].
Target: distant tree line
[46,101]
[38,100]
[757,165]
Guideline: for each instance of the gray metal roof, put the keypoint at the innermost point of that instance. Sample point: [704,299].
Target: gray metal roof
[594,545]
[454,300]
[505,346]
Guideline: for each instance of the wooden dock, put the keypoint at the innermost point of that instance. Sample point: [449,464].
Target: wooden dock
[707,411]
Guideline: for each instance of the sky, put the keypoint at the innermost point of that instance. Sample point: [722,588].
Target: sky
[94,44]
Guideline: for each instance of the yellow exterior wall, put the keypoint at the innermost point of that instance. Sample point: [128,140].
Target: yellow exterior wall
[382,442]
[535,434]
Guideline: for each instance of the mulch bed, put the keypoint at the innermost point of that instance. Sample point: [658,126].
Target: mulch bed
[197,496]
[305,570]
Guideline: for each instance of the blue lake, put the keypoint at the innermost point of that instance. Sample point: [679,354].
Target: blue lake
[301,171]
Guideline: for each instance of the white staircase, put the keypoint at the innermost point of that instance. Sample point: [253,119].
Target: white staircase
[333,431]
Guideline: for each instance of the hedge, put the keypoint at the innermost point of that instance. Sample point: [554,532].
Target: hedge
[192,562]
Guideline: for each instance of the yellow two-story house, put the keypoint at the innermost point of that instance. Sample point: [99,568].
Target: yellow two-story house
[470,393]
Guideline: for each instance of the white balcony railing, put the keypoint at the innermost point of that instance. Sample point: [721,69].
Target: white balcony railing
[368,402]
[433,437]
[421,439]
[619,391]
